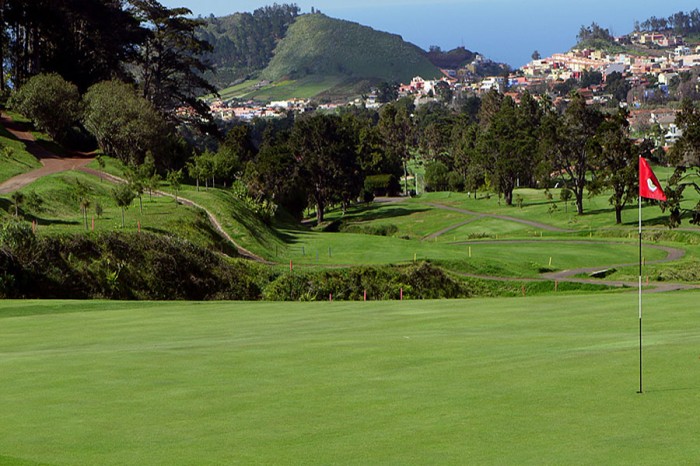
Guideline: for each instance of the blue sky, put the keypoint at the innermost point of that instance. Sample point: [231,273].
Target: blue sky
[503,30]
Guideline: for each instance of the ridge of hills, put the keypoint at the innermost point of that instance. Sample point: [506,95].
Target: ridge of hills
[324,56]
[319,45]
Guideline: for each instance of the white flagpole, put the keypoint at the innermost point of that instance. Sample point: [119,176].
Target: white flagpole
[640,294]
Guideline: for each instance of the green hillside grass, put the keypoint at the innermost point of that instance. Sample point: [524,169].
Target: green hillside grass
[14,157]
[318,45]
[498,381]
[60,211]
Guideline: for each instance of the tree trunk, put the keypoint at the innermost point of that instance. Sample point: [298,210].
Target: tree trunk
[319,212]
[579,201]
[122,217]
[405,178]
[508,195]
[618,214]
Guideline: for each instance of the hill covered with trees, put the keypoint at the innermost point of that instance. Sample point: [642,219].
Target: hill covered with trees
[316,44]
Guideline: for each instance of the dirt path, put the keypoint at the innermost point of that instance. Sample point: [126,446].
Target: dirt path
[51,163]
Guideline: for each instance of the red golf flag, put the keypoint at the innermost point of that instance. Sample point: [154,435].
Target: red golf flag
[649,185]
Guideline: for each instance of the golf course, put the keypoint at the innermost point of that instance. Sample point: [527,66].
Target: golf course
[539,366]
[537,380]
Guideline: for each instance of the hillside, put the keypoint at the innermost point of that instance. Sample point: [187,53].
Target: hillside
[318,45]
[243,43]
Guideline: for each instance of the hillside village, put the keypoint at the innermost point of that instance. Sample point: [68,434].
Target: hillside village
[648,77]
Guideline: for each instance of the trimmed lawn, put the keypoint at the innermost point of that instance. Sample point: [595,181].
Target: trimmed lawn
[545,380]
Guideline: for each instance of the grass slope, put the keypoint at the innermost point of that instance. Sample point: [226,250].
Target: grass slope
[14,158]
[499,381]
[318,45]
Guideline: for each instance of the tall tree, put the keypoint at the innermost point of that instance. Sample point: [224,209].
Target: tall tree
[85,41]
[326,158]
[170,61]
[465,154]
[500,152]
[616,162]
[397,128]
[569,144]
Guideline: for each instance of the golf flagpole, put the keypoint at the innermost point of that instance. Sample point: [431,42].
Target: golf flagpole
[640,286]
[650,188]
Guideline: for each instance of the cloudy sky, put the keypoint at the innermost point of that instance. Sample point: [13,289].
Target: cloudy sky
[503,30]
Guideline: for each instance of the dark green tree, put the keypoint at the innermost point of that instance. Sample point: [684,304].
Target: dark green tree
[500,154]
[325,151]
[569,145]
[170,63]
[616,163]
[398,132]
[51,102]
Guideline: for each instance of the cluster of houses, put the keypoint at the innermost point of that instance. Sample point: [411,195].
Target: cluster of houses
[668,57]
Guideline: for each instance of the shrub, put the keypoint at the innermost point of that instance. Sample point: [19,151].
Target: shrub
[436,176]
[383,185]
[418,281]
[51,102]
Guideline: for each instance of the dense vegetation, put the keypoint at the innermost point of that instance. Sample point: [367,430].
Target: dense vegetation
[243,43]
[147,266]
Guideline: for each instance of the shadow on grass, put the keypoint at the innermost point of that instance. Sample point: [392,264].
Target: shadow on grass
[380,212]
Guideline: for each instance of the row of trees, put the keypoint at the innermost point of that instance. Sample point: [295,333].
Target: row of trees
[681,23]
[124,124]
[498,145]
[91,41]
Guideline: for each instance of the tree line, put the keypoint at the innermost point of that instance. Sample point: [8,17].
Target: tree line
[86,42]
[681,23]
[494,144]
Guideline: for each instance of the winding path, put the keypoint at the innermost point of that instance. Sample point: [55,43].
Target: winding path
[51,163]
[480,215]
[184,201]
[672,254]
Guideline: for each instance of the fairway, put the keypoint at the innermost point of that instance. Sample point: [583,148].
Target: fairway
[548,380]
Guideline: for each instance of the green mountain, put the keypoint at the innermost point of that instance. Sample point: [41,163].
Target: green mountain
[316,45]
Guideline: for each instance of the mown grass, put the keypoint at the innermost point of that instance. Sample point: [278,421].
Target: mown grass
[412,382]
[516,259]
[60,211]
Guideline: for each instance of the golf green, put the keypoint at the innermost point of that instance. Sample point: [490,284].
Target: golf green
[548,380]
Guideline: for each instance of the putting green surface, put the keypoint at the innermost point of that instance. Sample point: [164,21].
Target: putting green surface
[548,380]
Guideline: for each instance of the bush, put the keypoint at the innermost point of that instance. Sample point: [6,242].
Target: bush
[436,176]
[371,229]
[418,281]
[124,266]
[51,102]
[383,185]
